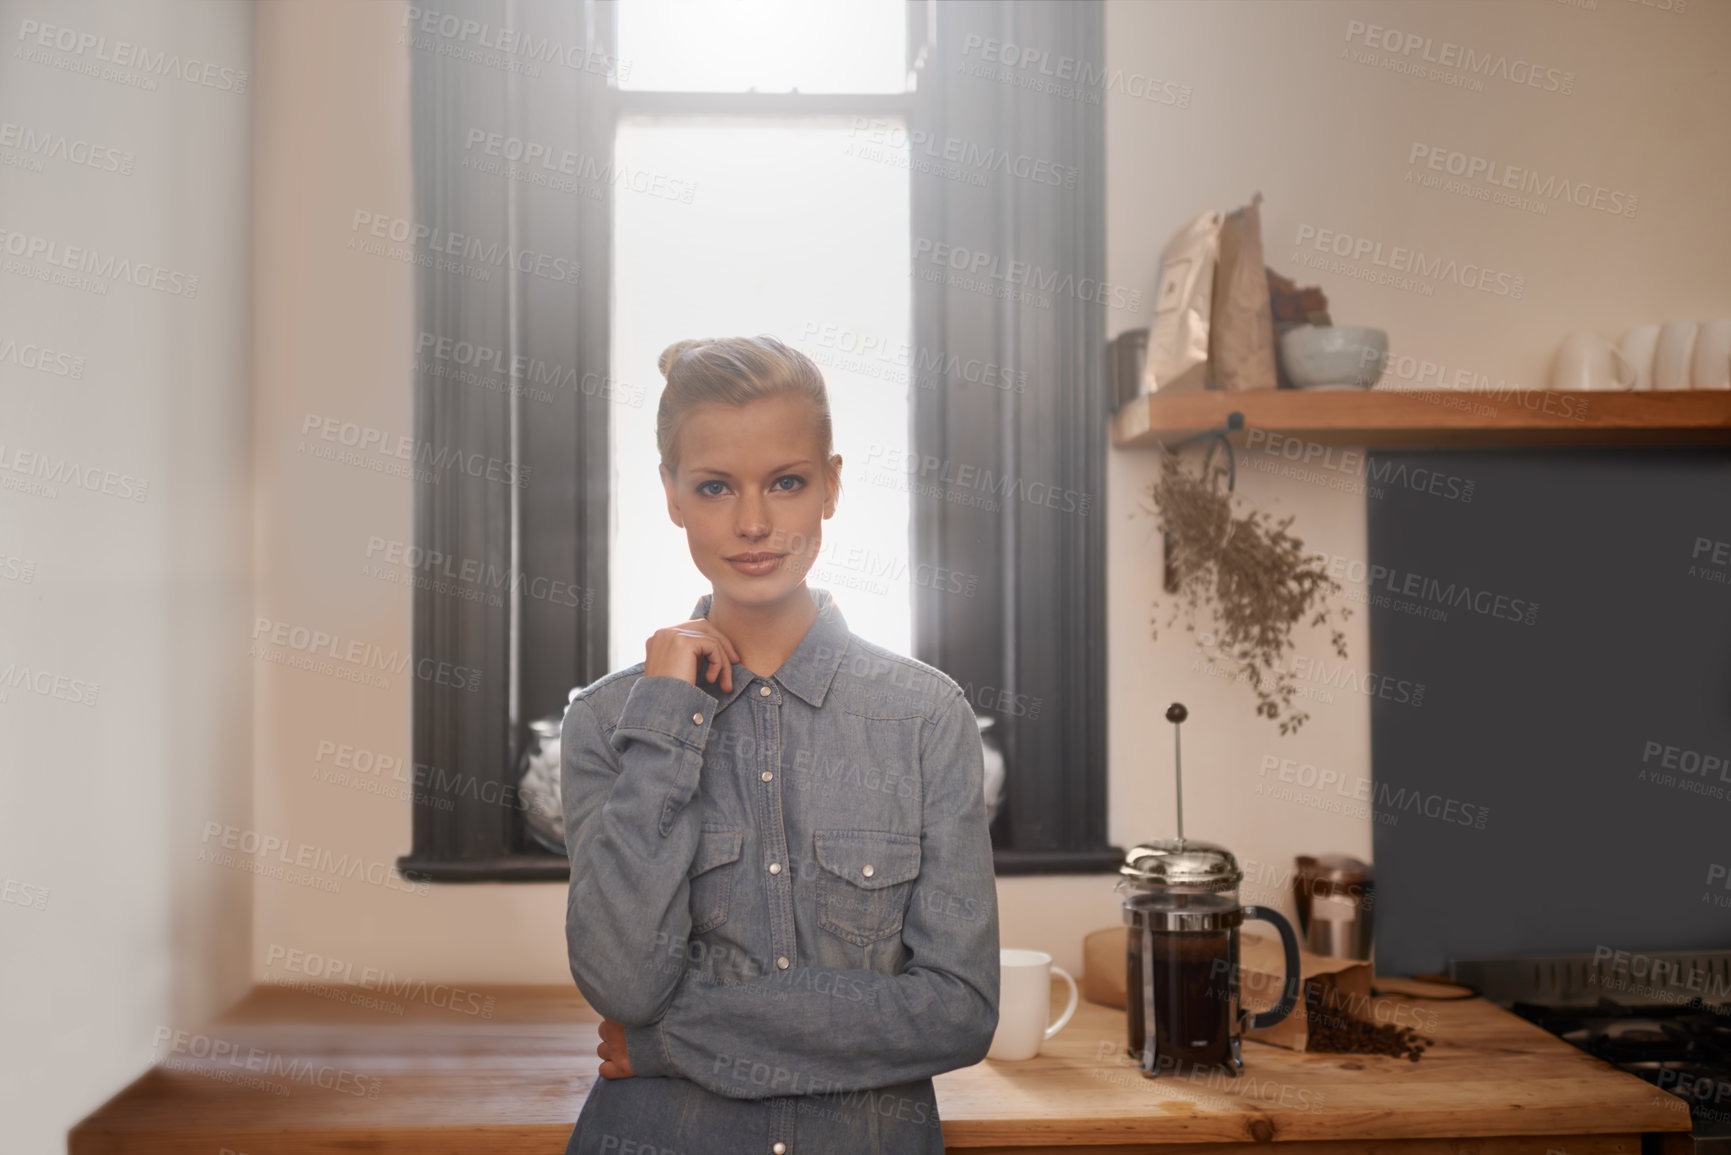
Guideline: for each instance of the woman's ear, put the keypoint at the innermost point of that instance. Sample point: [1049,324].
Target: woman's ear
[834,486]
[668,485]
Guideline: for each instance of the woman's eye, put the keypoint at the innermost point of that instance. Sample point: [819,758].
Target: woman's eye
[703,486]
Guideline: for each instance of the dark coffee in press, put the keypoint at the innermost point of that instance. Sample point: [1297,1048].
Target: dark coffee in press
[1192,998]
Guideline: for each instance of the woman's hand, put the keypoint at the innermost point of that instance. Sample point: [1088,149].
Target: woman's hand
[615,1063]
[675,651]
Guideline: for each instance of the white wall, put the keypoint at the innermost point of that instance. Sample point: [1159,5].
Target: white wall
[335,329]
[141,606]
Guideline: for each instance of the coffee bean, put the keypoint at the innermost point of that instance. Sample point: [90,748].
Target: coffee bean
[1333,1034]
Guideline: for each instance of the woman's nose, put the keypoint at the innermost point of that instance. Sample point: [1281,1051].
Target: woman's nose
[752,519]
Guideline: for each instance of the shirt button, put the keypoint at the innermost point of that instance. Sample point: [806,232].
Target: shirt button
[764,690]
[775,868]
[698,718]
[866,870]
[767,775]
[779,1149]
[781,962]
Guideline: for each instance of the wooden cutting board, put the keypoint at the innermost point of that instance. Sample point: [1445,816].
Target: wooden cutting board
[1418,988]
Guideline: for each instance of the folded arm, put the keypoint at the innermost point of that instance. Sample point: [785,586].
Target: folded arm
[631,837]
[810,1030]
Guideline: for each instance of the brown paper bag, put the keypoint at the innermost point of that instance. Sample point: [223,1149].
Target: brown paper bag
[1241,323]
[1332,986]
[1177,360]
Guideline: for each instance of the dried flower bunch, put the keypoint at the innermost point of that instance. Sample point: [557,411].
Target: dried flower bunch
[1256,575]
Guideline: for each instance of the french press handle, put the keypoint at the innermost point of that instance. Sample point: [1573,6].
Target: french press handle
[1294,974]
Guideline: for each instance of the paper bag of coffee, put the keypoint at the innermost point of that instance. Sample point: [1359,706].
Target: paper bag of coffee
[1183,302]
[1336,990]
[1241,326]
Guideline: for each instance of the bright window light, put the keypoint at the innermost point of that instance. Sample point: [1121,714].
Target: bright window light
[763,45]
[793,230]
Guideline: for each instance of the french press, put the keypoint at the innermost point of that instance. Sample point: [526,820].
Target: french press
[1181,906]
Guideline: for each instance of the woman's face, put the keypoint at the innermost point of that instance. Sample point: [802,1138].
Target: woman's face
[751,485]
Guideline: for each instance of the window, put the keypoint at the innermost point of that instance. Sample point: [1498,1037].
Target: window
[837,46]
[758,166]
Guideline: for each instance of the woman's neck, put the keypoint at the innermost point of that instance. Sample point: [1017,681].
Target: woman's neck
[765,635]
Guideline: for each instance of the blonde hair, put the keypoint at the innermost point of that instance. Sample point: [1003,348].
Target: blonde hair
[734,371]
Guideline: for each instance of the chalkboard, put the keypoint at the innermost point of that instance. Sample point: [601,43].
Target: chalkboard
[1561,779]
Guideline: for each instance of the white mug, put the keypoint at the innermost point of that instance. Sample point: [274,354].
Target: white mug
[1710,366]
[1671,361]
[1638,346]
[1024,1001]
[1586,360]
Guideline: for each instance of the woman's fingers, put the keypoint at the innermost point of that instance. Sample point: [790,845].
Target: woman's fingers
[710,631]
[727,646]
[615,1062]
[681,651]
[721,653]
[724,666]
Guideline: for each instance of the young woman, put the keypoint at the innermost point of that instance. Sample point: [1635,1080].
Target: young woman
[782,898]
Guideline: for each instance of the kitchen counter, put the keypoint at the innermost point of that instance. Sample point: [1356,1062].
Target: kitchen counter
[1492,1079]
[289,1071]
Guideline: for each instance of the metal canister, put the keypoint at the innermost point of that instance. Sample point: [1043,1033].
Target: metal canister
[1336,896]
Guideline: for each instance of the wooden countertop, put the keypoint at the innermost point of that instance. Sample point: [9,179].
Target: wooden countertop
[1491,1076]
[290,1071]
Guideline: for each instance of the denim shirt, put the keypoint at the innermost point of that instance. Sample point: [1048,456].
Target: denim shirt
[785,893]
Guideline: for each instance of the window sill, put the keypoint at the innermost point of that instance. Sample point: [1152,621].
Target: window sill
[1098,860]
[497,868]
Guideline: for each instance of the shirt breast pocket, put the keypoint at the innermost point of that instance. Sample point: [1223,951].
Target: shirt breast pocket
[711,874]
[865,881]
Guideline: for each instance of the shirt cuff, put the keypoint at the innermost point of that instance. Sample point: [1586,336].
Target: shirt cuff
[670,706]
[646,1048]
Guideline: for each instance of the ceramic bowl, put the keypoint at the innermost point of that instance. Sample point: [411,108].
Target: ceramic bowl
[1333,356]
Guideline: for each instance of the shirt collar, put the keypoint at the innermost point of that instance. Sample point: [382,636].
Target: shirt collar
[810,669]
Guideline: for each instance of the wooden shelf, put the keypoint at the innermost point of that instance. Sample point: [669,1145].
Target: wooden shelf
[1438,418]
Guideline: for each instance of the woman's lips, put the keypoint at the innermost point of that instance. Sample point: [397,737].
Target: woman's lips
[756,568]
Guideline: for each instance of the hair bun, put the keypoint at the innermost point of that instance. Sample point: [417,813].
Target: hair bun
[671,354]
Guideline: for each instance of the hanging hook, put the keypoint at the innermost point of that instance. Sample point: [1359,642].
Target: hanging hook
[1234,423]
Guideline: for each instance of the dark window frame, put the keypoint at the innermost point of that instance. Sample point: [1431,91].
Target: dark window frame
[1034,632]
